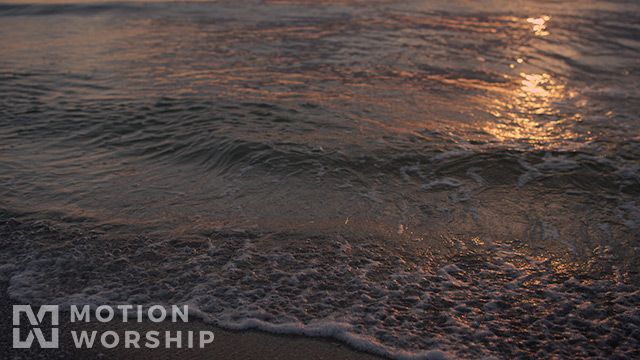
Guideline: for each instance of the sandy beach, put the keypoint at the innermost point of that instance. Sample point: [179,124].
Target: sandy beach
[227,344]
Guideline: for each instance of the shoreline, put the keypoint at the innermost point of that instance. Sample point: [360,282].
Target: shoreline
[248,344]
[232,344]
[505,326]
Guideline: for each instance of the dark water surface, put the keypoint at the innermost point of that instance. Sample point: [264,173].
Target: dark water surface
[407,176]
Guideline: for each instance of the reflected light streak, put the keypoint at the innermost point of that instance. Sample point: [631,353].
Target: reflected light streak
[539,25]
[529,114]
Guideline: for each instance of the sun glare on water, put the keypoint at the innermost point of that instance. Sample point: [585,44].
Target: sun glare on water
[530,114]
[539,25]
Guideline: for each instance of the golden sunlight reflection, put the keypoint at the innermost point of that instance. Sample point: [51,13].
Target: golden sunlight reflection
[529,114]
[532,84]
[539,25]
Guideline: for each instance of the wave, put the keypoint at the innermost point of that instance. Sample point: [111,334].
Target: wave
[81,9]
[398,303]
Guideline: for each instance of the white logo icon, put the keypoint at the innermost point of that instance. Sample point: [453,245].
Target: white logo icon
[35,323]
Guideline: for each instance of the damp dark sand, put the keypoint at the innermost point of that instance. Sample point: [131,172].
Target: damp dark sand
[227,344]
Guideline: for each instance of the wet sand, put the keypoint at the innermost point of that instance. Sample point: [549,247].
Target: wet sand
[227,344]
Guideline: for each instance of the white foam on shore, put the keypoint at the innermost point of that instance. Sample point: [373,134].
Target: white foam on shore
[362,295]
[448,182]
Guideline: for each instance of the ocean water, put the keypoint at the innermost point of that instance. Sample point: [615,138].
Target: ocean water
[419,179]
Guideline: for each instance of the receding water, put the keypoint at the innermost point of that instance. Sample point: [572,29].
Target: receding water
[406,176]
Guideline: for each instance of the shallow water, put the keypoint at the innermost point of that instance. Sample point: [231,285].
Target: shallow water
[468,171]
